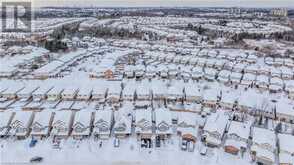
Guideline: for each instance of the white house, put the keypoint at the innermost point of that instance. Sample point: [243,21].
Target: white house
[84,93]
[186,126]
[41,92]
[123,126]
[235,77]
[287,73]
[64,105]
[289,88]
[192,93]
[263,147]
[129,71]
[224,76]
[248,79]
[128,93]
[143,91]
[27,92]
[163,121]
[82,124]
[62,123]
[21,124]
[114,92]
[33,106]
[99,92]
[175,92]
[285,110]
[229,98]
[214,129]
[210,74]
[286,149]
[139,71]
[150,71]
[262,82]
[210,97]
[237,137]
[42,124]
[103,123]
[173,70]
[6,118]
[197,73]
[159,90]
[69,93]
[11,92]
[276,84]
[6,104]
[143,124]
[54,94]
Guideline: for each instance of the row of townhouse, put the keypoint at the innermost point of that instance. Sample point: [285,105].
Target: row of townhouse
[249,101]
[53,93]
[200,57]
[79,124]
[276,81]
[264,145]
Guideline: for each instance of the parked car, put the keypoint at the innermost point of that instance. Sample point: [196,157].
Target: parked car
[203,150]
[157,142]
[184,145]
[36,159]
[116,142]
[33,143]
[191,146]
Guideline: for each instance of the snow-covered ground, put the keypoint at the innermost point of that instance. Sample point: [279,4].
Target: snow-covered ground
[88,152]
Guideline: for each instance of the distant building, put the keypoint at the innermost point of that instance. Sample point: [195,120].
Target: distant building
[279,12]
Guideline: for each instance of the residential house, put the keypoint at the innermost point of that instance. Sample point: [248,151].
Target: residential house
[197,73]
[41,93]
[123,126]
[286,149]
[143,123]
[163,121]
[27,92]
[237,137]
[143,91]
[262,82]
[214,129]
[33,106]
[42,124]
[186,126]
[128,93]
[103,123]
[263,147]
[192,93]
[248,79]
[11,92]
[99,92]
[210,74]
[62,124]
[284,109]
[224,76]
[69,93]
[114,92]
[82,124]
[54,94]
[85,93]
[175,93]
[6,119]
[21,124]
[210,97]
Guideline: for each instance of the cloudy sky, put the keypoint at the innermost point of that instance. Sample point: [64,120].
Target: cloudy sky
[165,3]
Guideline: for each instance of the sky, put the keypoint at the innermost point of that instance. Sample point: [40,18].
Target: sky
[163,3]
